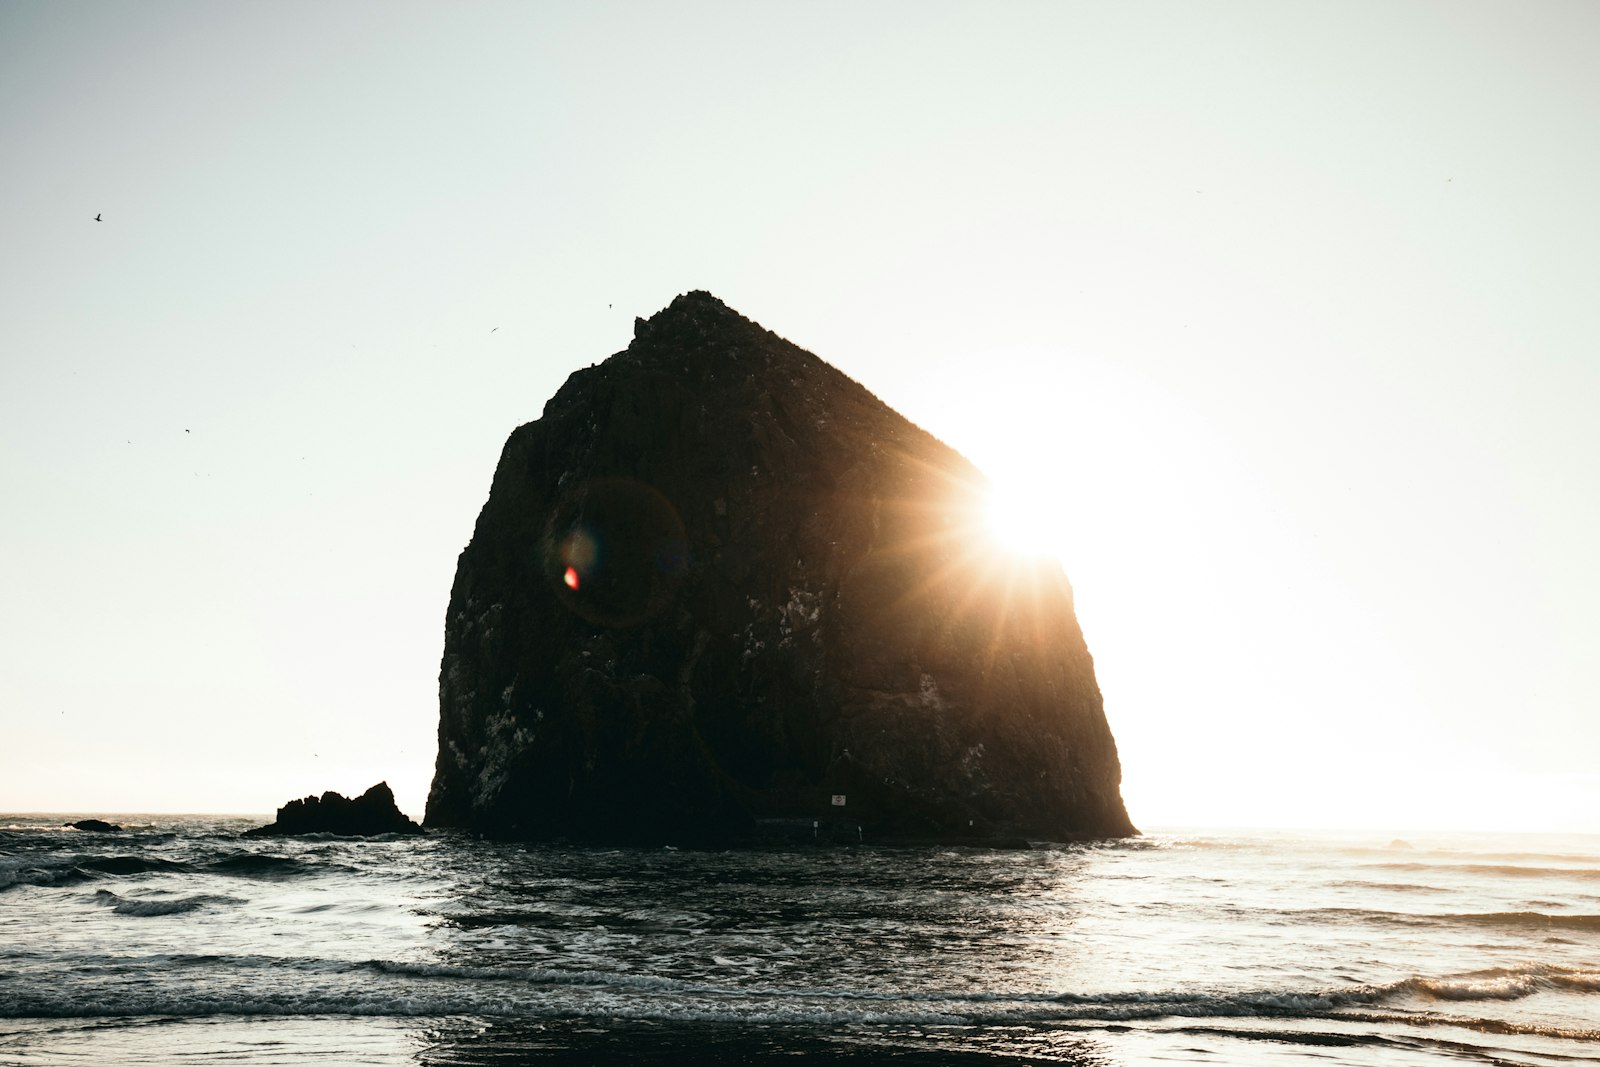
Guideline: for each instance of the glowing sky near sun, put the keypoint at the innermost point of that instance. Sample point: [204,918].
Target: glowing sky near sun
[1281,316]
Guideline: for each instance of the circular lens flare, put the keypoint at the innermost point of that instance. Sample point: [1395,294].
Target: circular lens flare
[623,555]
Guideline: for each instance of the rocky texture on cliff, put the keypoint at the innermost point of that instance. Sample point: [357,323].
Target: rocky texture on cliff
[720,587]
[373,812]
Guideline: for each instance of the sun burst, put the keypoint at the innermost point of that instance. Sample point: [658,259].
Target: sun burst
[1025,519]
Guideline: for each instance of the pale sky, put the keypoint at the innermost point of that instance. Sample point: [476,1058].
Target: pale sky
[1288,313]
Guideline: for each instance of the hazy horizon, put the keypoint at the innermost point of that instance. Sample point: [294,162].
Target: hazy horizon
[1282,315]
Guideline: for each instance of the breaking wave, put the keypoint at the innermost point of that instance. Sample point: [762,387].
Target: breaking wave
[19,872]
[1535,920]
[76,869]
[159,906]
[1494,870]
[268,986]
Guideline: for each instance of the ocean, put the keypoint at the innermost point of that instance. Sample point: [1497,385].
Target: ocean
[177,941]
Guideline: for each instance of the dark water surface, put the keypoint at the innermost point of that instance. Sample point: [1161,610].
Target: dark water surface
[178,940]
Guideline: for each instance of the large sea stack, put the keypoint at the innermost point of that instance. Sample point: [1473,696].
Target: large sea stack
[720,591]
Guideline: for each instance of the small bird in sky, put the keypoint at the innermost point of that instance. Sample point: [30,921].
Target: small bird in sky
[97,217]
[496,328]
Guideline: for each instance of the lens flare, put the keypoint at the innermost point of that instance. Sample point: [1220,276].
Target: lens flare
[624,552]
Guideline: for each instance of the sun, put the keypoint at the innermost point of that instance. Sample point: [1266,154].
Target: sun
[1026,518]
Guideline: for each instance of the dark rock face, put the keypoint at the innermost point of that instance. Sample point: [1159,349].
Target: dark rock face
[373,812]
[720,586]
[98,826]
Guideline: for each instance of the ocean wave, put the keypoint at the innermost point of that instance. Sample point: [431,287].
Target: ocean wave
[1490,984]
[1510,919]
[1535,919]
[126,865]
[375,987]
[25,873]
[541,976]
[73,869]
[1494,870]
[1575,857]
[610,1010]
[152,906]
[1388,887]
[1398,854]
[1502,983]
[259,865]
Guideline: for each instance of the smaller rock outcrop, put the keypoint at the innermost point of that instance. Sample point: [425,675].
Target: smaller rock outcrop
[98,826]
[373,812]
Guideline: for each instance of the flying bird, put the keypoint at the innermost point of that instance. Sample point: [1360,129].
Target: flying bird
[97,217]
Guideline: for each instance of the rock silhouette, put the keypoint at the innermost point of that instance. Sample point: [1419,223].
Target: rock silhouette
[373,812]
[720,591]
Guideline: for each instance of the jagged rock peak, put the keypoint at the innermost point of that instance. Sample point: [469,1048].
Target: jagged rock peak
[368,815]
[699,333]
[690,313]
